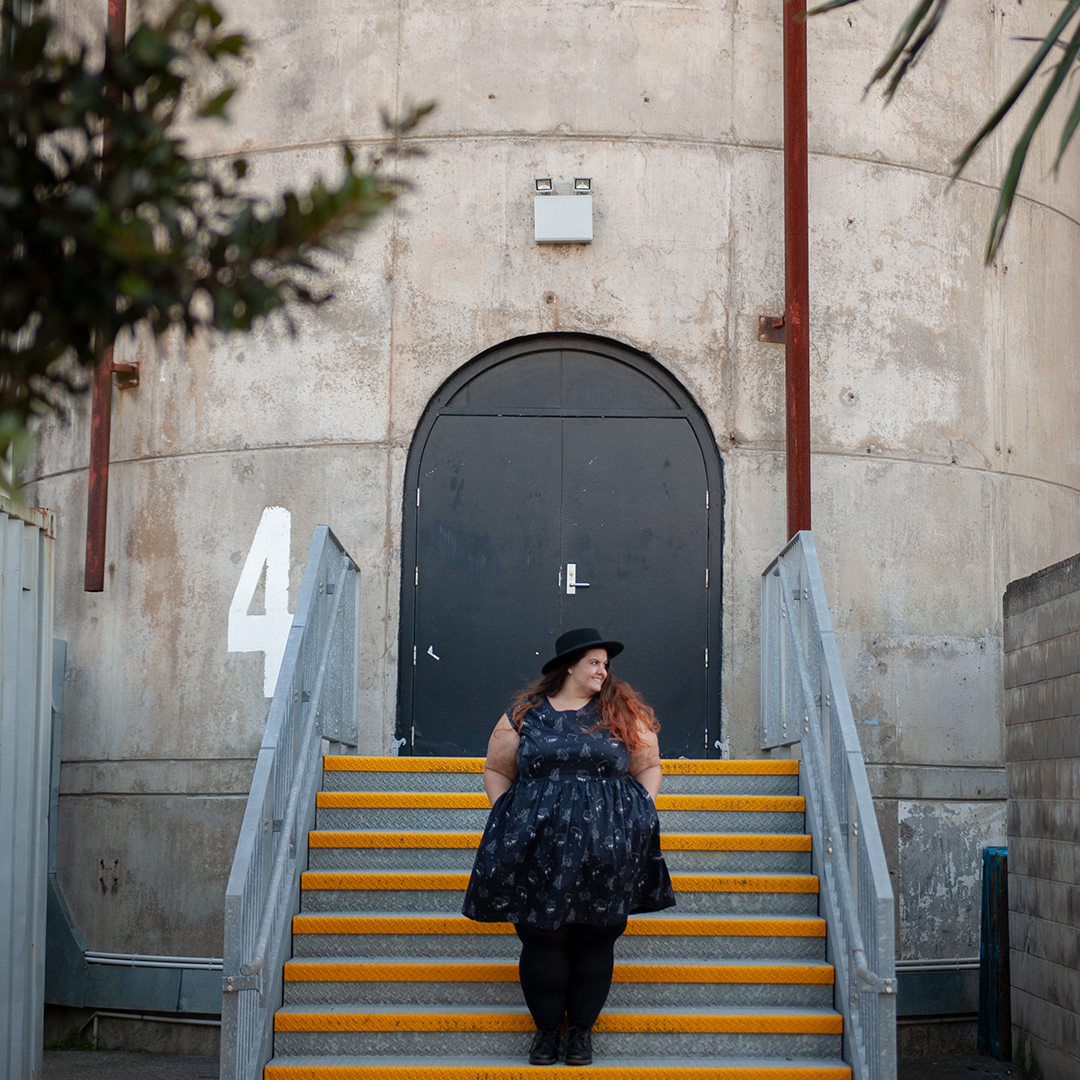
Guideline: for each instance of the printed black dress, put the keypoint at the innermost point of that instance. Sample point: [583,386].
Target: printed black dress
[575,839]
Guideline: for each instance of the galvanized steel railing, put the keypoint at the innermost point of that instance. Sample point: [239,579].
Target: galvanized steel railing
[315,699]
[804,699]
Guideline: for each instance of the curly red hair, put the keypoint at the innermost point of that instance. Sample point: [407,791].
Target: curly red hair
[623,711]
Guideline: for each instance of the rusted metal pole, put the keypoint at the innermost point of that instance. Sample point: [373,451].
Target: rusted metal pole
[796,269]
[98,499]
[97,503]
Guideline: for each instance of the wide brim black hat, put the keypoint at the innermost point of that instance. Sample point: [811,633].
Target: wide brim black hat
[577,641]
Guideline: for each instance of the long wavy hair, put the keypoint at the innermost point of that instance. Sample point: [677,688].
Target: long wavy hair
[623,712]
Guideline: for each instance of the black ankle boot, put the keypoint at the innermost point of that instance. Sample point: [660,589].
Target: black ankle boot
[545,1047]
[578,1046]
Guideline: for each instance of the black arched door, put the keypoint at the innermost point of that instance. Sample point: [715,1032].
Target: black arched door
[555,482]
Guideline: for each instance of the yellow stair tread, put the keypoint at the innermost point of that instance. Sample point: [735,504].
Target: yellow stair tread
[356,838]
[605,1069]
[646,971]
[671,767]
[460,800]
[639,925]
[394,1018]
[317,880]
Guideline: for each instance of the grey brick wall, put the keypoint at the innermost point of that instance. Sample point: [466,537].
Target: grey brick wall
[1042,751]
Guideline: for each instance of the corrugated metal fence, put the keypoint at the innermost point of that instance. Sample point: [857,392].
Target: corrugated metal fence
[26,628]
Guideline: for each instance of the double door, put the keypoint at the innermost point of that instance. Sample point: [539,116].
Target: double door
[529,525]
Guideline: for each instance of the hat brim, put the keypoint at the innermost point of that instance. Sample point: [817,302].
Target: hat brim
[613,649]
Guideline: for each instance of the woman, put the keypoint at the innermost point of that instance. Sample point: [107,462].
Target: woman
[572,845]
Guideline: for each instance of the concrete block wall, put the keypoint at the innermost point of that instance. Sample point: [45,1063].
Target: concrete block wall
[1042,717]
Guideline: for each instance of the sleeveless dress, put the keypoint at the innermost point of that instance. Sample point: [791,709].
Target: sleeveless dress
[575,839]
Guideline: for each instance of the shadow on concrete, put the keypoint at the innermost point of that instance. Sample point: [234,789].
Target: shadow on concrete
[125,1065]
[962,1067]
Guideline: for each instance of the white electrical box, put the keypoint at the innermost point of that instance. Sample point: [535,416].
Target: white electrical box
[562,219]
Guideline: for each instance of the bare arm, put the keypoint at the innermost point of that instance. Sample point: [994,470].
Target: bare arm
[496,785]
[500,768]
[650,779]
[645,765]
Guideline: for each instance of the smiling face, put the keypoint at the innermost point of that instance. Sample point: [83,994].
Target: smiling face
[587,676]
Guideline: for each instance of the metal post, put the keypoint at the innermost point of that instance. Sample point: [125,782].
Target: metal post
[796,270]
[97,505]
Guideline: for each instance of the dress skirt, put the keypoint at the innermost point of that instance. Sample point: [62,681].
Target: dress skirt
[575,839]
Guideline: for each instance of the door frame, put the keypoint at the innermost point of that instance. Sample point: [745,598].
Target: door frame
[714,472]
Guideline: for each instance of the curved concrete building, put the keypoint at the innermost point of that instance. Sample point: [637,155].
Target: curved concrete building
[940,394]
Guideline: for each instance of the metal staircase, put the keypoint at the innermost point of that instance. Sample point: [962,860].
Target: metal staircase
[388,980]
[738,982]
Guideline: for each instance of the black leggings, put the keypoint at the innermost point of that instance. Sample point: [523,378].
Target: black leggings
[567,972]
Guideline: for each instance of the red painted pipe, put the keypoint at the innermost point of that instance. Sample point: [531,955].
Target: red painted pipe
[98,500]
[97,504]
[796,270]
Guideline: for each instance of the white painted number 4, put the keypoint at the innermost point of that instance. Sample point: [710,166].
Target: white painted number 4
[264,633]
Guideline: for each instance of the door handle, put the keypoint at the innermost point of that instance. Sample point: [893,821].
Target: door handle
[572,583]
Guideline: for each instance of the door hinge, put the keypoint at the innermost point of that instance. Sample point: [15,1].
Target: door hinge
[706,655]
[706,498]
[706,577]
[414,656]
[417,498]
[416,575]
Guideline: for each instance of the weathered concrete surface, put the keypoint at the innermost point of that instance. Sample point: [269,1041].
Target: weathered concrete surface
[940,880]
[940,388]
[1042,716]
[126,1065]
[958,1067]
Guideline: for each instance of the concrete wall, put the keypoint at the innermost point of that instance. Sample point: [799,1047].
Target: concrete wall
[939,390]
[1042,716]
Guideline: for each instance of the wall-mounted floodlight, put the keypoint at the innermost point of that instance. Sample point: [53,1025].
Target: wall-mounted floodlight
[562,219]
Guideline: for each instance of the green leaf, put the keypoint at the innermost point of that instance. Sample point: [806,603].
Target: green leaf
[1067,132]
[1018,87]
[29,45]
[832,5]
[233,45]
[216,107]
[1019,155]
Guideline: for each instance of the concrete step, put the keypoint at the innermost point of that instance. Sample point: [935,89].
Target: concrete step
[419,811]
[721,894]
[348,773]
[516,1068]
[667,1032]
[732,853]
[490,981]
[661,936]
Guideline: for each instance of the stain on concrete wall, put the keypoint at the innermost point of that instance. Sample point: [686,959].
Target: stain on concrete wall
[940,879]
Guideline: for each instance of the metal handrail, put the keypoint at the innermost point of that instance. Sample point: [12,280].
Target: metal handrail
[804,700]
[184,963]
[315,702]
